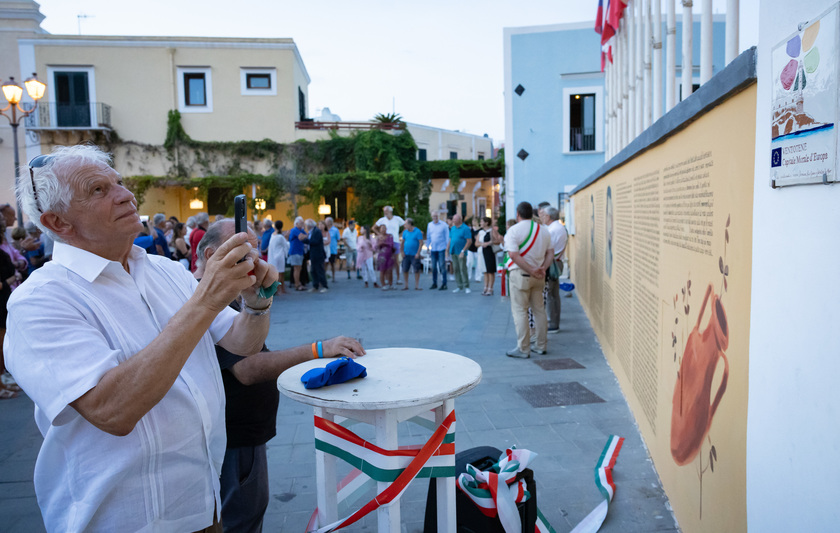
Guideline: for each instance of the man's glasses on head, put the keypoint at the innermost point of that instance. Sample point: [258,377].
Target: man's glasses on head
[37,162]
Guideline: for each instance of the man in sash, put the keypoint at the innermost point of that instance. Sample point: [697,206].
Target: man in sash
[528,245]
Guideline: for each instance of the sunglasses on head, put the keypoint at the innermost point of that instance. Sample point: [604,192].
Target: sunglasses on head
[37,162]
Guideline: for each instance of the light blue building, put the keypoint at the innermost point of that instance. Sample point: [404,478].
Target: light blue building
[554,106]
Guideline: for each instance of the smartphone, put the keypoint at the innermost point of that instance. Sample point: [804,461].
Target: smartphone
[240,214]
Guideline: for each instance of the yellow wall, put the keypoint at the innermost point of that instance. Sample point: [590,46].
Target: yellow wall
[678,221]
[440,195]
[141,91]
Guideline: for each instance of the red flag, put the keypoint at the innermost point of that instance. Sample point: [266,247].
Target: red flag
[599,18]
[603,60]
[607,30]
[615,12]
[609,54]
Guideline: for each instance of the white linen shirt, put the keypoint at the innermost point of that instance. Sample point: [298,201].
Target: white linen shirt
[350,238]
[518,233]
[558,239]
[72,321]
[392,226]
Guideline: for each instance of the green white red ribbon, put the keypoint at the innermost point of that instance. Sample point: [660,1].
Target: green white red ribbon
[436,458]
[496,491]
[525,247]
[604,480]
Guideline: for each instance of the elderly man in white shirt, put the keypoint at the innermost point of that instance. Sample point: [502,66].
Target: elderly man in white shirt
[529,247]
[550,217]
[392,224]
[116,349]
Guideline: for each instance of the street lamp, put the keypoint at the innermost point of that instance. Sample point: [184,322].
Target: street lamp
[13,93]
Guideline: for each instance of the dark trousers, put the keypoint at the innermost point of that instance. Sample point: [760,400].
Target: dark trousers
[439,263]
[319,274]
[553,303]
[244,489]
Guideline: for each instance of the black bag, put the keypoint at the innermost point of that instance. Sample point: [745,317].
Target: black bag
[470,519]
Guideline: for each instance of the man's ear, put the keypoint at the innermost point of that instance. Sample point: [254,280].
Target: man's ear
[58,225]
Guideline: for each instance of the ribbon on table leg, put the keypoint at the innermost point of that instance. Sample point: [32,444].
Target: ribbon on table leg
[377,462]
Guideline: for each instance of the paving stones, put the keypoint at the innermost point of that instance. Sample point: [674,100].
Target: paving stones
[567,439]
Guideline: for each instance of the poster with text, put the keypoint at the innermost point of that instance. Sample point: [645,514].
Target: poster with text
[804,66]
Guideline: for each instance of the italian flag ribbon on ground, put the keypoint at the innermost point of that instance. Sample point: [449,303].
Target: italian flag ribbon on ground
[496,491]
[524,248]
[436,458]
[605,483]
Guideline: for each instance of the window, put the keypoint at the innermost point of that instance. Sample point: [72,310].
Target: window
[258,81]
[481,156]
[301,104]
[71,99]
[195,90]
[73,89]
[583,119]
[581,122]
[421,154]
[453,155]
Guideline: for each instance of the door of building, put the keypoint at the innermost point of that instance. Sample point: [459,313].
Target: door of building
[72,99]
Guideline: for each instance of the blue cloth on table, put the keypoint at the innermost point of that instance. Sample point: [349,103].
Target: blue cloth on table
[338,371]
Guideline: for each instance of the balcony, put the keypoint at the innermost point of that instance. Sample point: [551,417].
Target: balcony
[52,116]
[313,125]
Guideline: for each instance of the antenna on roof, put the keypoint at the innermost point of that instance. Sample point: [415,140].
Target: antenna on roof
[79,18]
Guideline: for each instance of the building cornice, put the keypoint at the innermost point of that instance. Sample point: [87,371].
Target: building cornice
[171,42]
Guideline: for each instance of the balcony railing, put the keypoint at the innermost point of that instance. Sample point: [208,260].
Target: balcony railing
[581,139]
[54,116]
[312,125]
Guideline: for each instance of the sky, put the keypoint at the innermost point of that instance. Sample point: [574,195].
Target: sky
[438,63]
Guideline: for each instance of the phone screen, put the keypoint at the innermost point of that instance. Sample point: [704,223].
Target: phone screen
[240,214]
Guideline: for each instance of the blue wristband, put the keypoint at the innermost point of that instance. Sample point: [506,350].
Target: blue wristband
[320,350]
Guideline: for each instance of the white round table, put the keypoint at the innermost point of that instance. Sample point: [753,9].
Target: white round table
[400,384]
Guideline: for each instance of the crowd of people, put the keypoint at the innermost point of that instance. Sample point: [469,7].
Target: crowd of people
[142,342]
[23,249]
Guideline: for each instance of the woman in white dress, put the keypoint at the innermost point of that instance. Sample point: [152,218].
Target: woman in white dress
[278,249]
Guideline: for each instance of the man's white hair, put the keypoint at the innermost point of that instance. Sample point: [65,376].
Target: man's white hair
[310,223]
[52,181]
[158,218]
[201,218]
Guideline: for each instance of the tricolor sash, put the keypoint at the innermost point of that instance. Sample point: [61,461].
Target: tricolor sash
[524,248]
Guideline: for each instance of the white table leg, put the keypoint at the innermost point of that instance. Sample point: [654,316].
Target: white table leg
[388,516]
[446,517]
[326,480]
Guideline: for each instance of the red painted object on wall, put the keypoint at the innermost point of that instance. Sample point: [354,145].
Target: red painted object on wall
[692,411]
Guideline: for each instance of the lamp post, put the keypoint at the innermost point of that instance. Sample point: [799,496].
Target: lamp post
[13,93]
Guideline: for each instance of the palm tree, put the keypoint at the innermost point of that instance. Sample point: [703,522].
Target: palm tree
[390,118]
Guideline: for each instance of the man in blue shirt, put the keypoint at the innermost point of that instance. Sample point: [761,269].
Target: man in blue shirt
[335,236]
[296,251]
[412,243]
[460,238]
[437,234]
[162,247]
[268,231]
